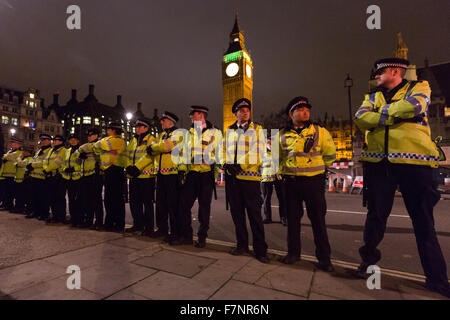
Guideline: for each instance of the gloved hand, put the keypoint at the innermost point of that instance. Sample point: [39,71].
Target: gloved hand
[232,169]
[30,167]
[181,178]
[149,150]
[133,171]
[83,156]
[69,170]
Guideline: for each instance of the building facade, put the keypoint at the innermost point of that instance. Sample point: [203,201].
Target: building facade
[24,116]
[237,74]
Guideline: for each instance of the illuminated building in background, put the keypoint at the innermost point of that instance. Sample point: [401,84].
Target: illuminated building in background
[24,115]
[237,74]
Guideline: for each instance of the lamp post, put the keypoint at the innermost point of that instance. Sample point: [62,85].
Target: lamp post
[13,131]
[348,83]
[129,116]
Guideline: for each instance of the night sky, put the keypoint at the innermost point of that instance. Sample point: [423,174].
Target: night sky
[167,54]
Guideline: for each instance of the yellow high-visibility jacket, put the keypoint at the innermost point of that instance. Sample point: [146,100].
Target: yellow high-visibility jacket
[246,148]
[38,162]
[137,155]
[72,160]
[9,167]
[268,170]
[201,149]
[167,150]
[21,165]
[92,163]
[112,151]
[54,162]
[294,160]
[398,131]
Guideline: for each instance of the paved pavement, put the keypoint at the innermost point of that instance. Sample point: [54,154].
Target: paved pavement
[34,259]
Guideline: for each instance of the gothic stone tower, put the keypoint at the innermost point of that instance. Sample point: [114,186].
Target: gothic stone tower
[237,74]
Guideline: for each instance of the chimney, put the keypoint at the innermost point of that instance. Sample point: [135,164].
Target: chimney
[119,100]
[155,113]
[139,106]
[55,99]
[74,94]
[91,89]
[42,103]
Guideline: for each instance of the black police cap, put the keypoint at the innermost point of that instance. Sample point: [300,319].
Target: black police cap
[44,136]
[241,103]
[198,109]
[170,116]
[114,125]
[93,131]
[297,102]
[381,64]
[59,138]
[142,122]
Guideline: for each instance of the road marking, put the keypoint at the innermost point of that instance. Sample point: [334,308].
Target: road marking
[356,212]
[343,264]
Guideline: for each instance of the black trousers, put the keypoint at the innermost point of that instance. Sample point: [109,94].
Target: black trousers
[167,204]
[24,193]
[2,192]
[9,193]
[57,199]
[310,190]
[246,196]
[267,190]
[73,191]
[419,196]
[91,199]
[199,185]
[141,194]
[41,197]
[114,199]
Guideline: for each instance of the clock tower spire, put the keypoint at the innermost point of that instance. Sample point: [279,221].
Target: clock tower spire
[237,74]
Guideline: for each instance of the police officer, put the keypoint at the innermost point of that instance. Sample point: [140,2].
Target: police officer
[41,191]
[113,160]
[22,182]
[305,150]
[9,172]
[91,183]
[270,179]
[167,177]
[197,175]
[400,153]
[244,147]
[53,168]
[72,175]
[141,173]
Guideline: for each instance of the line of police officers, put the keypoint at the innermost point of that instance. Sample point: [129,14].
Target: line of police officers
[182,164]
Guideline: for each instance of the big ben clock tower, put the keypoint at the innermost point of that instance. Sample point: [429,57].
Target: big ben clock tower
[237,74]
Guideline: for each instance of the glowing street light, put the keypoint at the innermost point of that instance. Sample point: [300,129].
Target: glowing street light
[13,131]
[129,116]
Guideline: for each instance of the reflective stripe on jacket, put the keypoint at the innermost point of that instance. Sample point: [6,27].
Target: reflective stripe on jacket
[137,156]
[398,131]
[9,167]
[38,162]
[293,158]
[112,151]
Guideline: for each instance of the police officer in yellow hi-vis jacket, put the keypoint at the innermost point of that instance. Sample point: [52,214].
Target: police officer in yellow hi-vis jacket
[304,151]
[91,183]
[244,148]
[23,183]
[39,184]
[141,173]
[399,152]
[167,177]
[72,175]
[9,171]
[53,169]
[198,175]
[113,160]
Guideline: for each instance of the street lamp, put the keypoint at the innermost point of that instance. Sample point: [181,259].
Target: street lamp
[348,83]
[13,131]
[129,116]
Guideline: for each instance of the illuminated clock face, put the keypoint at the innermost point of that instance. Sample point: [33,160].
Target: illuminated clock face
[249,71]
[232,69]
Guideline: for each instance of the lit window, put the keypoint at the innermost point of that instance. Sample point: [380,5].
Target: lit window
[5,120]
[72,130]
[62,122]
[78,121]
[15,121]
[97,121]
[447,111]
[32,104]
[87,120]
[32,95]
[236,39]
